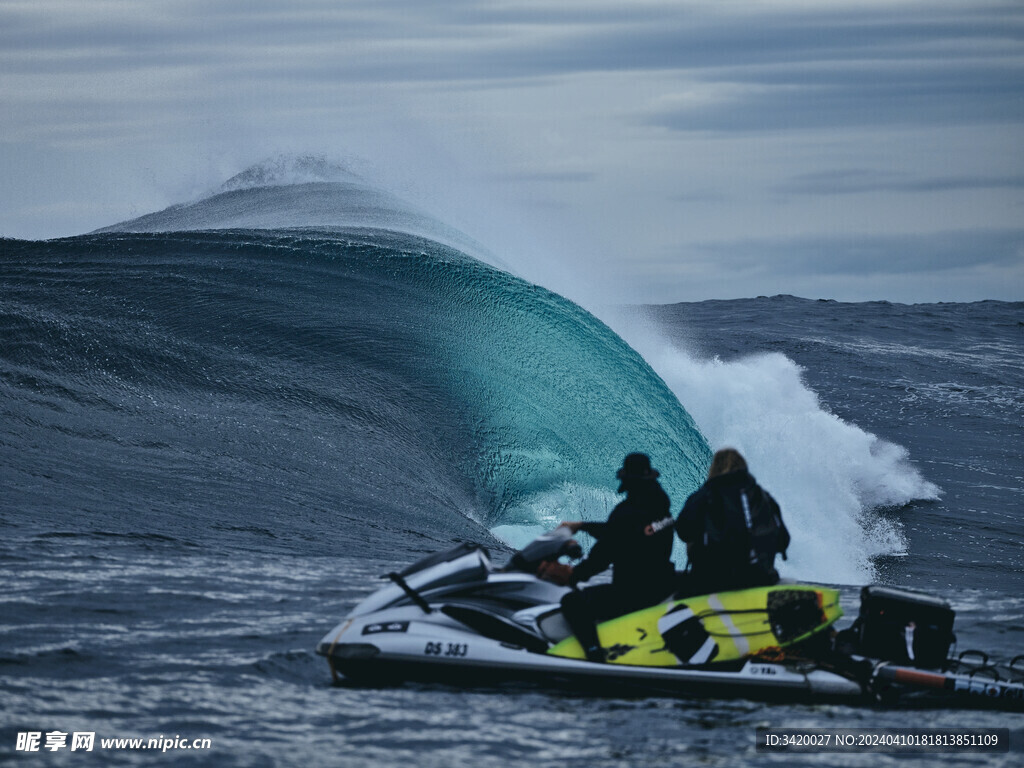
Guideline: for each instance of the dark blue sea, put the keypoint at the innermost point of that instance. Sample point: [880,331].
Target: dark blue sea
[217,432]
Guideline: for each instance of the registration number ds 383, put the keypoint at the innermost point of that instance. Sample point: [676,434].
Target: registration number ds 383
[446,649]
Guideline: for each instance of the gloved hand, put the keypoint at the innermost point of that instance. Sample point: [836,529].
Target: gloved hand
[555,572]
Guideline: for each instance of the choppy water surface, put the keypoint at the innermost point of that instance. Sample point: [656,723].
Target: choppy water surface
[212,444]
[151,639]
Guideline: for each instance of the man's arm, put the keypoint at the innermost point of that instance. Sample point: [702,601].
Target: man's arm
[603,553]
[596,530]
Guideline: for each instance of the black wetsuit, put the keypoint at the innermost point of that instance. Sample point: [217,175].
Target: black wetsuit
[637,543]
[733,529]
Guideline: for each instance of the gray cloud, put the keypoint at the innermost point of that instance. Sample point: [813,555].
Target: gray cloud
[865,255]
[545,177]
[482,40]
[848,182]
[803,69]
[876,94]
[808,68]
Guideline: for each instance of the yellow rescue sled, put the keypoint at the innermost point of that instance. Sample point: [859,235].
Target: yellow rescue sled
[722,626]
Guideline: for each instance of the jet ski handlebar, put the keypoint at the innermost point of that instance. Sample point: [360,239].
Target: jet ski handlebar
[545,548]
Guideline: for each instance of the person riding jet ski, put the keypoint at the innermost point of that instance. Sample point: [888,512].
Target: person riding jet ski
[732,529]
[636,542]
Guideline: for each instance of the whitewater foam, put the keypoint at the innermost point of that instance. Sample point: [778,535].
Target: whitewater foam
[286,170]
[830,477]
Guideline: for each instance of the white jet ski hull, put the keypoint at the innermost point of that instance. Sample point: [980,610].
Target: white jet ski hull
[397,645]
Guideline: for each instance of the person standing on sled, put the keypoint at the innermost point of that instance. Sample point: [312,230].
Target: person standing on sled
[636,543]
[732,529]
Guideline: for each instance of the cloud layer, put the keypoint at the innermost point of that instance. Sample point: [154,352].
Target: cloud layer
[665,149]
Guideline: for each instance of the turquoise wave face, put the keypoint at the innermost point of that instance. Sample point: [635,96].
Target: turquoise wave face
[554,398]
[546,398]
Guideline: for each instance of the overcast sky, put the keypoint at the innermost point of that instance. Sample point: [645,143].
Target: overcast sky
[661,151]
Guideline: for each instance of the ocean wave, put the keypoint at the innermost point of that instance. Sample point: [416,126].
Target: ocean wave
[367,382]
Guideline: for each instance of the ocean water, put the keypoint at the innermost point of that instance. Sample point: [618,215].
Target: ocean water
[213,441]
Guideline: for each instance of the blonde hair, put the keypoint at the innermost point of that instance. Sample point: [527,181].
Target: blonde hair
[725,461]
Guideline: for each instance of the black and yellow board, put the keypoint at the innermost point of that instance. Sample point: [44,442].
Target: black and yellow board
[723,626]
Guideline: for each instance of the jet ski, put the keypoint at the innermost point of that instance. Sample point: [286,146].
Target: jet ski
[457,618]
